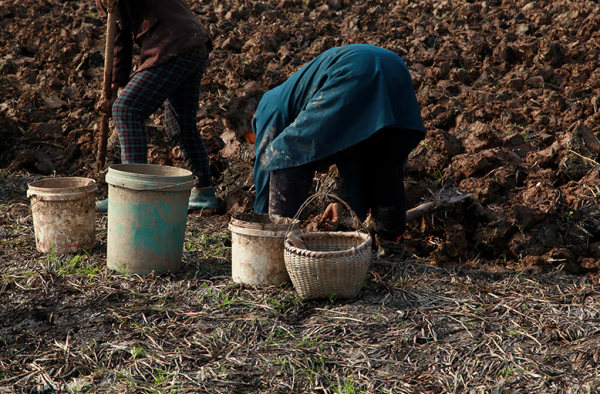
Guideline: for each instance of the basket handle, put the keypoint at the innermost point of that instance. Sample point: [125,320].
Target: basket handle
[355,220]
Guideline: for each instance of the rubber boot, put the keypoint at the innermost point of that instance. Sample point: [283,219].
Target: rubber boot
[387,248]
[102,205]
[202,199]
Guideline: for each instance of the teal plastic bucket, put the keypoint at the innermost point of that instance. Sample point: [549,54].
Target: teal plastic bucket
[147,217]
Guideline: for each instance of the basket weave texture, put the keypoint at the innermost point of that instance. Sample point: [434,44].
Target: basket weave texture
[334,263]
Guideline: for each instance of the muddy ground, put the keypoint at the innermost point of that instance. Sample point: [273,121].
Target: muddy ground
[509,95]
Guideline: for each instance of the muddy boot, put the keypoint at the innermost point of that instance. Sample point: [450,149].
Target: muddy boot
[102,205]
[387,248]
[202,199]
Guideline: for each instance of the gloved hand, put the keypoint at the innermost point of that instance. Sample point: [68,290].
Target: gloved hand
[332,216]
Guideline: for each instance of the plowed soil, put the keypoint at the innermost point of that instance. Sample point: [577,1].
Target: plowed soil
[508,92]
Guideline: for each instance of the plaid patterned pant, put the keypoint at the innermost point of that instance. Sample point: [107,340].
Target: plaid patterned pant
[177,84]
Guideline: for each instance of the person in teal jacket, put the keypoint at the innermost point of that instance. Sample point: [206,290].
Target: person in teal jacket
[353,106]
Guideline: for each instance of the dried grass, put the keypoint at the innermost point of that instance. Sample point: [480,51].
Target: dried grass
[414,327]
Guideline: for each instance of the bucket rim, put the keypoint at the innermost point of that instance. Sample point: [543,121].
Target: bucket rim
[257,232]
[267,221]
[86,183]
[121,169]
[68,193]
[145,180]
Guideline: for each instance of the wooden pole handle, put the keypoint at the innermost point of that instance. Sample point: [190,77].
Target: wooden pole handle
[111,29]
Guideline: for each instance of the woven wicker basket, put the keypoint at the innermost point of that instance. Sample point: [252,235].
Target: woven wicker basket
[334,263]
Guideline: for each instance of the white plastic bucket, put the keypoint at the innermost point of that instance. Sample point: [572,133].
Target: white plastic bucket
[257,248]
[63,212]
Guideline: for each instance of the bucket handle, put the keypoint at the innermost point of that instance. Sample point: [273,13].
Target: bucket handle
[193,181]
[60,197]
[158,188]
[355,220]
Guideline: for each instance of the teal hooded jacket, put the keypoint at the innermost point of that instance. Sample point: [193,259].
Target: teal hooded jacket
[342,97]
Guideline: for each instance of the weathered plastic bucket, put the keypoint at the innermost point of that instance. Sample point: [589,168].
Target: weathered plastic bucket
[147,215]
[257,248]
[63,212]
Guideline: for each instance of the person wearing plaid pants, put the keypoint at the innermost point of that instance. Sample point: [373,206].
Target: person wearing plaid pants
[178,81]
[174,54]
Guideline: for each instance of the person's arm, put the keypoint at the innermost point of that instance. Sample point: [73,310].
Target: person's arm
[332,216]
[123,51]
[123,48]
[105,105]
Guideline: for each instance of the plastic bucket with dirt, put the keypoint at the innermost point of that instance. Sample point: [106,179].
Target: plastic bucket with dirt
[257,248]
[147,217]
[63,211]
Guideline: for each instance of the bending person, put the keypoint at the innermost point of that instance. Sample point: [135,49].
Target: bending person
[174,53]
[353,106]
